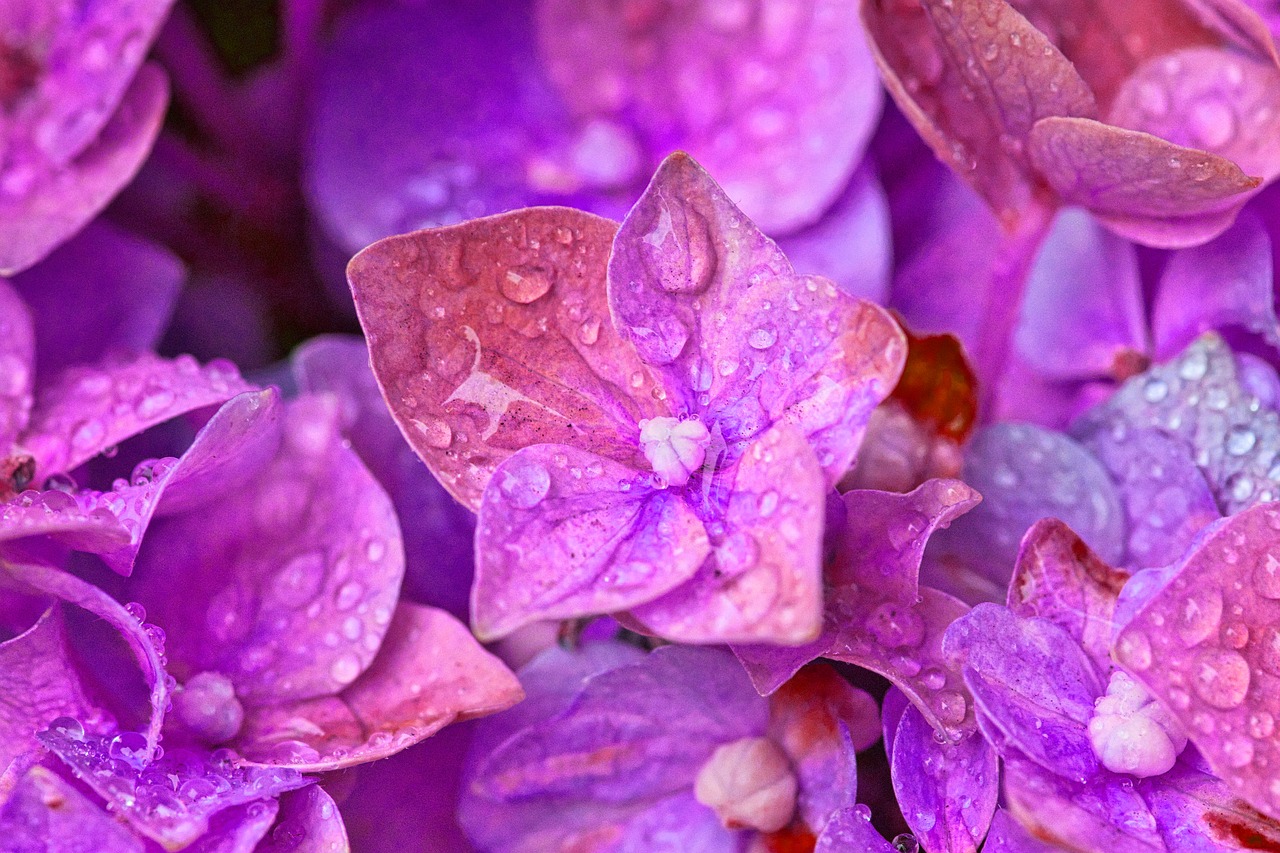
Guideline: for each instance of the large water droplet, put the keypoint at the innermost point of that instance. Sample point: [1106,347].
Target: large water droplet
[300,580]
[762,338]
[129,747]
[1240,440]
[68,727]
[435,432]
[1199,616]
[525,284]
[1266,574]
[1221,678]
[894,626]
[524,483]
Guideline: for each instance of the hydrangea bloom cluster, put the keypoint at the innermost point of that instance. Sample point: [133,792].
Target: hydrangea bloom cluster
[628,426]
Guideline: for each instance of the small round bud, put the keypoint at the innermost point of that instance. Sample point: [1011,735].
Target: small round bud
[749,785]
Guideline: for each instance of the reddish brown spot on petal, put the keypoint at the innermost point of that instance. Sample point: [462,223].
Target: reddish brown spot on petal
[795,838]
[19,72]
[1129,363]
[16,474]
[938,386]
[1247,829]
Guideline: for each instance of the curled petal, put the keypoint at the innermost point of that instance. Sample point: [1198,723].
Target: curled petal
[309,820]
[851,829]
[45,812]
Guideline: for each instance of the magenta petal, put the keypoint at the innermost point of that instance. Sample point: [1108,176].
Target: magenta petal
[493,335]
[949,805]
[301,613]
[701,292]
[1207,645]
[1212,99]
[17,364]
[564,533]
[1142,187]
[1059,579]
[676,824]
[104,290]
[429,672]
[61,197]
[46,813]
[1083,302]
[754,96]
[763,582]
[1226,282]
[1198,813]
[78,521]
[850,830]
[237,829]
[1008,836]
[309,821]
[87,409]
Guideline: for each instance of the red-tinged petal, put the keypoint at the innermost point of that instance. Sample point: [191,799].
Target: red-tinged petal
[238,829]
[741,340]
[1142,187]
[1224,283]
[429,673]
[1060,579]
[1198,813]
[309,821]
[104,290]
[1008,836]
[565,533]
[851,829]
[17,365]
[59,199]
[37,675]
[1207,645]
[751,92]
[46,813]
[493,335]
[763,582]
[947,791]
[88,409]
[284,584]
[974,76]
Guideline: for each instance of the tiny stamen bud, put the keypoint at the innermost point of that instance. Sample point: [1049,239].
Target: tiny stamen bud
[749,785]
[1132,733]
[674,448]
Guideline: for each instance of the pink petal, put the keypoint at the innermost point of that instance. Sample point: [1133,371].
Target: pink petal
[741,340]
[974,76]
[763,583]
[429,673]
[47,813]
[90,408]
[753,96]
[493,335]
[1144,188]
[1207,645]
[565,533]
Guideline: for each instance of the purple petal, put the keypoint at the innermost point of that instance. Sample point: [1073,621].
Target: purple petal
[851,829]
[237,829]
[437,530]
[1059,579]
[1197,813]
[103,291]
[1033,687]
[48,814]
[564,533]
[17,364]
[1224,283]
[302,612]
[711,320]
[949,805]
[752,96]
[976,105]
[88,409]
[494,335]
[429,672]
[78,521]
[764,580]
[309,820]
[54,200]
[1008,836]
[1082,308]
[1140,186]
[674,825]
[1207,645]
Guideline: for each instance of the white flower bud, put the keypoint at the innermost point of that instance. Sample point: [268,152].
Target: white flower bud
[749,785]
[1132,733]
[674,448]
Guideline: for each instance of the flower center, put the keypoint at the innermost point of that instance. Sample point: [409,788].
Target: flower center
[674,448]
[1132,733]
[749,785]
[207,705]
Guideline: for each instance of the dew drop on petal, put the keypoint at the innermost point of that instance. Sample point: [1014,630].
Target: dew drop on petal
[1221,678]
[526,284]
[524,483]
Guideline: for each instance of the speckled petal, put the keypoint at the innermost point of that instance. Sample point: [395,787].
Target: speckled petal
[877,615]
[976,107]
[302,612]
[309,821]
[1082,308]
[437,530]
[493,335]
[87,409]
[1059,579]
[741,340]
[849,830]
[237,829]
[46,813]
[429,672]
[763,581]
[947,791]
[1142,187]
[1206,644]
[17,364]
[1197,813]
[1224,283]
[1033,686]
[564,533]
[169,799]
[57,199]
[752,90]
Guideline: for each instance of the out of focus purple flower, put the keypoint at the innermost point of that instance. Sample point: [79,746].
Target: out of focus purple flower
[662,448]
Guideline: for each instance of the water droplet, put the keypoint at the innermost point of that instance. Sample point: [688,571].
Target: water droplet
[129,747]
[1261,724]
[1199,616]
[1240,486]
[737,554]
[1266,574]
[1237,751]
[1269,650]
[1194,365]
[589,331]
[524,482]
[950,707]
[768,503]
[1221,678]
[345,669]
[525,284]
[68,727]
[136,610]
[1213,122]
[934,679]
[700,377]
[906,843]
[894,626]
[88,434]
[300,580]
[348,595]
[1240,440]
[435,432]
[762,338]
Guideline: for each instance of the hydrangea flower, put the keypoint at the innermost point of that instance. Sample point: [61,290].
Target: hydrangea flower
[660,446]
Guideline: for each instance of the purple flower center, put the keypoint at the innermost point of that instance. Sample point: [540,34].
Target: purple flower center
[674,448]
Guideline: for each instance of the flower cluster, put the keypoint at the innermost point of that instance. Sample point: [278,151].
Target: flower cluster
[775,466]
